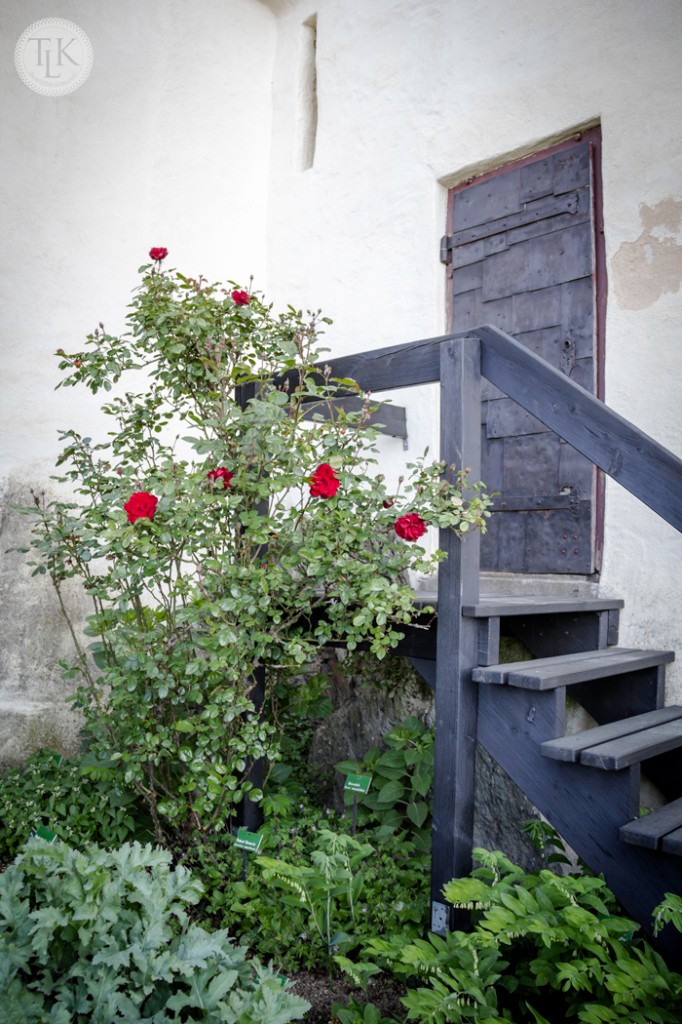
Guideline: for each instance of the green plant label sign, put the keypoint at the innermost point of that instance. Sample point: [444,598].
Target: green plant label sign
[358,783]
[248,840]
[44,833]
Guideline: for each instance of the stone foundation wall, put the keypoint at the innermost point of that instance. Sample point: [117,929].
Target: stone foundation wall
[363,714]
[33,712]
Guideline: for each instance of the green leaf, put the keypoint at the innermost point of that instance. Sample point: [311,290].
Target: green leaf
[390,793]
[417,813]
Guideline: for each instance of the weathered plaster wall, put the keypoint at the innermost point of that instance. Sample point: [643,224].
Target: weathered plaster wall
[188,134]
[651,265]
[167,143]
[416,96]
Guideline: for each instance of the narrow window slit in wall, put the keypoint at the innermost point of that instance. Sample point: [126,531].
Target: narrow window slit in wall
[307,96]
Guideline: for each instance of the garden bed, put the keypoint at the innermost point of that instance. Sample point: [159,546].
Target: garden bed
[323,991]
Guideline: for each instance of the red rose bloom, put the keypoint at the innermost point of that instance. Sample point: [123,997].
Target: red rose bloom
[240,298]
[158,254]
[410,527]
[324,483]
[221,474]
[141,505]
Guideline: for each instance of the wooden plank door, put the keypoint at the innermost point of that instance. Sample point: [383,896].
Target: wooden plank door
[522,256]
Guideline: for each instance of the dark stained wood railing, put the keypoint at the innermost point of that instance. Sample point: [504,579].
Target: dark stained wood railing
[643,466]
[640,464]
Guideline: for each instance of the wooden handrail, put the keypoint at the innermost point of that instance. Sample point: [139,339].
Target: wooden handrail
[640,464]
[643,466]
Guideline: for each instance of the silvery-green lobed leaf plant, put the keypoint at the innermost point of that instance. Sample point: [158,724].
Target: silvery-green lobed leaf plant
[221,534]
[102,936]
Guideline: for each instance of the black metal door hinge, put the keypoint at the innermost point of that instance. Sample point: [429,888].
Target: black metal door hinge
[446,249]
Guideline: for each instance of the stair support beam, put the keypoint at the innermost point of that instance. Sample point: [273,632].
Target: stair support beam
[457,639]
[586,805]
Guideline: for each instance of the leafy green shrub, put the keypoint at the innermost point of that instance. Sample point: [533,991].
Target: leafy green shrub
[236,897]
[398,801]
[329,887]
[543,949]
[98,937]
[313,889]
[329,898]
[79,799]
[299,703]
[220,532]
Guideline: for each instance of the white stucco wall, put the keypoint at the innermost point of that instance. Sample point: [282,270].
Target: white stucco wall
[188,134]
[167,143]
[414,97]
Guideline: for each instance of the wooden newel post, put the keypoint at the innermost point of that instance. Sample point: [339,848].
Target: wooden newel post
[457,641]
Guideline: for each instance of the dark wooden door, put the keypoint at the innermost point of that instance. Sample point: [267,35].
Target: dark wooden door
[522,257]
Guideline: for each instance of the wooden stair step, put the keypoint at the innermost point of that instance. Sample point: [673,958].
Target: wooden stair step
[620,744]
[654,829]
[629,750]
[513,605]
[568,669]
[570,748]
[672,843]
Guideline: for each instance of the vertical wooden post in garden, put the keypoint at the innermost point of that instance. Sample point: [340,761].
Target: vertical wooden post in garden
[457,641]
[252,815]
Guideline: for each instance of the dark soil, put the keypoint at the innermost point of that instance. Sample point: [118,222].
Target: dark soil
[322,992]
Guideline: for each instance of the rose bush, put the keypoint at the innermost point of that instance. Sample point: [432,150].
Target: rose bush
[237,573]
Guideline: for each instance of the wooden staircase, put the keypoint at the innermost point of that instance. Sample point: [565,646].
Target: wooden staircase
[587,785]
